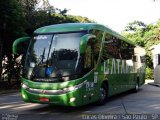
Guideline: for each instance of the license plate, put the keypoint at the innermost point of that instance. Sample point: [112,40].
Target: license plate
[44,99]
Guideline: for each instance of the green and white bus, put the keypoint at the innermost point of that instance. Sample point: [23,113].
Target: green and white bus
[74,64]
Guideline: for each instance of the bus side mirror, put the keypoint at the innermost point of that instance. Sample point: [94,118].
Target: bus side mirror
[20,45]
[84,40]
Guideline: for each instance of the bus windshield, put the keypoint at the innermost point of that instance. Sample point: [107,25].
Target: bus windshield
[54,57]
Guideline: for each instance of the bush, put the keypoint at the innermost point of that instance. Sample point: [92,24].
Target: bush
[149,73]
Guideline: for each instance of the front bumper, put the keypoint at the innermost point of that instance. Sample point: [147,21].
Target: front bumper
[67,97]
[73,98]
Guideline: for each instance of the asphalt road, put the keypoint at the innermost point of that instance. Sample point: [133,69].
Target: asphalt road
[146,101]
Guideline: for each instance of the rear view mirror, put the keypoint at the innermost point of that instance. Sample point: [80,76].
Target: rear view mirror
[84,40]
[20,45]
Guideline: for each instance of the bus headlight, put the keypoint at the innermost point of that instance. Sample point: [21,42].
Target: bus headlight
[24,86]
[72,99]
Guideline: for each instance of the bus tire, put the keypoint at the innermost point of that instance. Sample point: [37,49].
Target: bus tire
[103,95]
[136,89]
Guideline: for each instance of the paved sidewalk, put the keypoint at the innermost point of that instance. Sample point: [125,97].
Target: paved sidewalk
[154,84]
[151,82]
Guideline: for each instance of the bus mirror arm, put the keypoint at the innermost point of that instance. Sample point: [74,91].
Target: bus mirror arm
[84,40]
[20,45]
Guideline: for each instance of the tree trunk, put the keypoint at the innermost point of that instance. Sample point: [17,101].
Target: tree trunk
[1,57]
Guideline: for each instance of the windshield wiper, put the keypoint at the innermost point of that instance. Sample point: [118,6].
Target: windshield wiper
[41,58]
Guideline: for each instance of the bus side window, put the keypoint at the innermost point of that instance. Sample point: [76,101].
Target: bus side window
[134,58]
[88,58]
[97,44]
[107,47]
[111,47]
[143,59]
[127,50]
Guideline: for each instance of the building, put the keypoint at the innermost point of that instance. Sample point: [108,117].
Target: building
[155,49]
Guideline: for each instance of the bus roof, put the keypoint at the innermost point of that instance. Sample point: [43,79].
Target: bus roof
[70,27]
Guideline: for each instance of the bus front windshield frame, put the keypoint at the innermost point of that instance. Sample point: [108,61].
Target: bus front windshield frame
[54,57]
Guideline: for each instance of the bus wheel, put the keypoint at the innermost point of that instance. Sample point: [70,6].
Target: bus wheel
[136,86]
[103,95]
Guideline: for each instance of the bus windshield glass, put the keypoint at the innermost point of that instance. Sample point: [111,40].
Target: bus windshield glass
[54,57]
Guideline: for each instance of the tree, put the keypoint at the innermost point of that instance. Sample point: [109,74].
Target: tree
[11,20]
[20,18]
[135,31]
[135,25]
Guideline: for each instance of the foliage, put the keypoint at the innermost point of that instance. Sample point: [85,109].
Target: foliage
[20,18]
[146,36]
[149,73]
[11,22]
[135,25]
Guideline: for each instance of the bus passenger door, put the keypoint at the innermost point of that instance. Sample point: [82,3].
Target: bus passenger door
[91,59]
[91,55]
[89,65]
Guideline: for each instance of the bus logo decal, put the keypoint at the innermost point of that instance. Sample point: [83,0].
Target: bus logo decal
[117,66]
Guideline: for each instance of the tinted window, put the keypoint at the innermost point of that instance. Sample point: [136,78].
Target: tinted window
[143,59]
[88,57]
[97,43]
[111,47]
[127,50]
[116,48]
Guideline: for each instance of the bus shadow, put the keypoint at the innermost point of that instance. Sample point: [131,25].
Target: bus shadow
[62,109]
[123,95]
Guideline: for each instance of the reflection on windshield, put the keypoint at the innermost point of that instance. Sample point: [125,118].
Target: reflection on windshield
[54,56]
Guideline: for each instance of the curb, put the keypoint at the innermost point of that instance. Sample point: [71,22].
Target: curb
[154,84]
